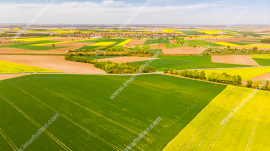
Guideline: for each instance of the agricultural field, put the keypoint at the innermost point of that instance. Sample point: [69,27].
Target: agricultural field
[109,86]
[89,120]
[244,45]
[245,73]
[8,67]
[245,130]
[263,60]
[188,62]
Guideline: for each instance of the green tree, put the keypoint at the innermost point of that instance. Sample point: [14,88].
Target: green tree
[165,70]
[249,84]
[202,75]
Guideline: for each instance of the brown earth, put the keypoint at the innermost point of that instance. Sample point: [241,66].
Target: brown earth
[183,50]
[153,46]
[9,76]
[157,46]
[161,46]
[235,59]
[172,41]
[126,59]
[136,42]
[259,78]
[57,63]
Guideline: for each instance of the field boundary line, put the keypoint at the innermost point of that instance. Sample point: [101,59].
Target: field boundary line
[208,118]
[35,123]
[67,118]
[254,127]
[222,126]
[8,140]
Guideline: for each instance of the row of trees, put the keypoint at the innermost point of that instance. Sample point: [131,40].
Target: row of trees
[266,40]
[229,50]
[8,42]
[251,84]
[225,78]
[185,73]
[112,68]
[214,77]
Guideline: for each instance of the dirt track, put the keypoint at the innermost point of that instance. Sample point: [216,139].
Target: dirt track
[54,63]
[235,59]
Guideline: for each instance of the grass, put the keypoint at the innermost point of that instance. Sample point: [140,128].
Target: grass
[197,43]
[200,43]
[168,45]
[33,45]
[190,32]
[156,41]
[188,62]
[245,130]
[146,46]
[8,67]
[155,50]
[262,62]
[245,73]
[90,120]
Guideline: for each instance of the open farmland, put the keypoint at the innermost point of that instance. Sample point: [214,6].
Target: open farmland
[245,130]
[245,73]
[188,62]
[90,120]
[9,67]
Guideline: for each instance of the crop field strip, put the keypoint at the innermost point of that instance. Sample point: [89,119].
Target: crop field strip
[245,73]
[87,121]
[9,67]
[263,60]
[188,62]
[241,132]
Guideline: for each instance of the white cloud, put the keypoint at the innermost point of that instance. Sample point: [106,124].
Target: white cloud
[107,12]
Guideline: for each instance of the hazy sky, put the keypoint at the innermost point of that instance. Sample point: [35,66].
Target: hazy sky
[118,12]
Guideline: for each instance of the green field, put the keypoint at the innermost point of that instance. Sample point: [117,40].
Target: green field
[156,41]
[89,119]
[187,62]
[247,129]
[33,46]
[155,50]
[8,67]
[190,32]
[262,62]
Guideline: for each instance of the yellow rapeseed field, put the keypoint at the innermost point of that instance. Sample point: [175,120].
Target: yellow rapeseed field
[102,43]
[8,67]
[248,46]
[245,73]
[125,42]
[246,129]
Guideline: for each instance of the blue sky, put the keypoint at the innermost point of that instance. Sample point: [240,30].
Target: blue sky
[208,12]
